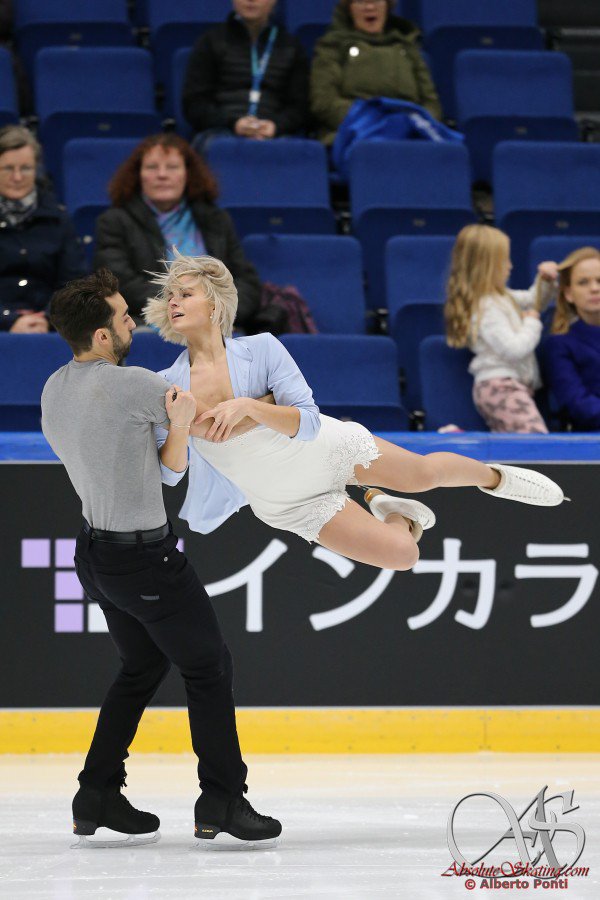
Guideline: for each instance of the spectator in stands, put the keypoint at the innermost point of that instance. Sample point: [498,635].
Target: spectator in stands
[247,77]
[572,352]
[367,52]
[163,195]
[502,327]
[39,250]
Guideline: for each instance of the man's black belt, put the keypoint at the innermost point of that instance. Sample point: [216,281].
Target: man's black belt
[126,537]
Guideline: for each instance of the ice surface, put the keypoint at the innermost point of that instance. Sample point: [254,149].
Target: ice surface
[354,827]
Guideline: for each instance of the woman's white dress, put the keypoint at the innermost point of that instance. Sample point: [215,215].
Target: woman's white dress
[293,485]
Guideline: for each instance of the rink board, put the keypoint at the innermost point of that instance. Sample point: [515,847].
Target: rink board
[501,612]
[333,730]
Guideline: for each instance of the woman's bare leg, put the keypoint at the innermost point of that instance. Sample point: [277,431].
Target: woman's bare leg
[355,533]
[410,473]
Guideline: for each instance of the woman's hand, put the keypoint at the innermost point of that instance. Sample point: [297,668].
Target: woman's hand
[227,415]
[180,406]
[531,314]
[266,128]
[548,271]
[247,126]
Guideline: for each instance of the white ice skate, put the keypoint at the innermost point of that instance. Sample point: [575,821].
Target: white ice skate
[526,486]
[383,505]
[104,838]
[225,841]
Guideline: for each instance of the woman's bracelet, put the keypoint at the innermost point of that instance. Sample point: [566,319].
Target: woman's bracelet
[174,425]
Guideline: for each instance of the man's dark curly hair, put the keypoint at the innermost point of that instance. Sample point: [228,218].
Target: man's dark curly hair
[79,308]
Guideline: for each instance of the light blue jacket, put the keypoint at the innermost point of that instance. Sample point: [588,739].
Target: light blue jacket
[258,365]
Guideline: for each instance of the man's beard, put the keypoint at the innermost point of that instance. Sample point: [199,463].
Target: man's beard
[120,348]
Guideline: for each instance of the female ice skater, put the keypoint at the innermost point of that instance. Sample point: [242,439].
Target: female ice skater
[294,467]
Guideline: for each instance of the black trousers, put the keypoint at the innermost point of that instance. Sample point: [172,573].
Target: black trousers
[159,614]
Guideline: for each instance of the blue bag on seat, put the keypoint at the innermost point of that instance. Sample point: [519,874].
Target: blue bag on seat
[385,119]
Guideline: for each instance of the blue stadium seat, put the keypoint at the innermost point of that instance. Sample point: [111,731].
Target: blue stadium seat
[410,325]
[416,269]
[174,92]
[149,351]
[309,19]
[92,92]
[447,386]
[47,23]
[139,13]
[326,269]
[557,248]
[26,363]
[88,166]
[544,189]
[179,23]
[449,27]
[9,109]
[405,187]
[351,376]
[273,186]
[506,95]
[411,9]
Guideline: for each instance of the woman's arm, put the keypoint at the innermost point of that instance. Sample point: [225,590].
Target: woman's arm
[228,416]
[428,96]
[542,291]
[295,414]
[328,105]
[293,115]
[200,86]
[497,331]
[71,259]
[174,451]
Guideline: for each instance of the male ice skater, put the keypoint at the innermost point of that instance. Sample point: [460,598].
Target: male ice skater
[99,418]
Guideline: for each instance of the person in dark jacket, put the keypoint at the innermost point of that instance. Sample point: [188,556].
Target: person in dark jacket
[163,196]
[572,352]
[39,249]
[226,90]
[367,52]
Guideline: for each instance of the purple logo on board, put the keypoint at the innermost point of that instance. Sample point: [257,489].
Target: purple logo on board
[73,612]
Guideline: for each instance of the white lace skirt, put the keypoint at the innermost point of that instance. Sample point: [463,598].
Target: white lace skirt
[294,485]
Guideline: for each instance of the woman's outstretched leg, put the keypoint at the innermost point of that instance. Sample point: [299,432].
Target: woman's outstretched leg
[410,473]
[355,533]
[406,472]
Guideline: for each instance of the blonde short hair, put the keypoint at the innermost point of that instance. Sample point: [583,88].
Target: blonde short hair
[214,278]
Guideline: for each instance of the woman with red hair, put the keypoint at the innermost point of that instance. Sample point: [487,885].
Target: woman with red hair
[162,196]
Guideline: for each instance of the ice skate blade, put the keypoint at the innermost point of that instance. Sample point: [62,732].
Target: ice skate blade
[104,839]
[224,841]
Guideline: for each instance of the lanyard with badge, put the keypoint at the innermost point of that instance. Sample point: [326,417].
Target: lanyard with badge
[259,67]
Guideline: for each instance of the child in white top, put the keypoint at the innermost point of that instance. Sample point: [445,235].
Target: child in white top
[502,327]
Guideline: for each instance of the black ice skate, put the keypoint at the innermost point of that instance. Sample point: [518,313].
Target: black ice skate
[231,823]
[105,818]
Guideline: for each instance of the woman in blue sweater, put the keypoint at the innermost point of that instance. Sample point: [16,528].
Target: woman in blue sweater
[572,353]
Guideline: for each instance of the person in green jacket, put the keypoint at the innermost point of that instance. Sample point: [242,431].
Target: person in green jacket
[367,52]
